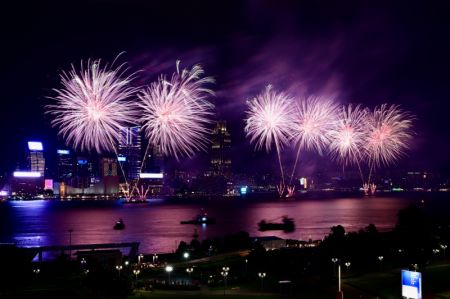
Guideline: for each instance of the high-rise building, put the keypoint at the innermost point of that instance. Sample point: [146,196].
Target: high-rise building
[85,173]
[64,165]
[35,157]
[130,151]
[109,177]
[221,150]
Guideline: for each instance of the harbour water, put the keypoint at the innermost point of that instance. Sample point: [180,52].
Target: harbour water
[156,225]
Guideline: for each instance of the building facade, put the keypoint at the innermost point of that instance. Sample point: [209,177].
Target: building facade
[220,163]
[130,152]
[35,157]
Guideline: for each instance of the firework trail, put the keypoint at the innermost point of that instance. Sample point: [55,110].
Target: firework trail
[389,135]
[314,118]
[175,113]
[93,105]
[269,122]
[348,136]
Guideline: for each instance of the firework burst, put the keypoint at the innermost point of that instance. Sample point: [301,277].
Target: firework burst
[315,117]
[93,105]
[390,131]
[176,112]
[269,122]
[349,135]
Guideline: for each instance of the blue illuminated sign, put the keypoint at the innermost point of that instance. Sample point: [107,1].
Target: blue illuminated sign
[121,159]
[244,190]
[35,146]
[82,162]
[63,152]
[411,284]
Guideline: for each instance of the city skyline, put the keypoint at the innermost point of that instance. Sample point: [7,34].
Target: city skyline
[241,72]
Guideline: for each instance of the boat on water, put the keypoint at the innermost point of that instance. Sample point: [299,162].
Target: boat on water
[287,225]
[201,218]
[119,225]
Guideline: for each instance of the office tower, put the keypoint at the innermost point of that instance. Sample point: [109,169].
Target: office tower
[64,165]
[130,151]
[221,150]
[109,175]
[35,156]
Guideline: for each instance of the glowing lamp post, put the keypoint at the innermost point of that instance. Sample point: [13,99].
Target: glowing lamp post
[169,269]
[444,247]
[186,255]
[136,273]
[36,271]
[262,275]
[347,264]
[225,276]
[380,258]
[189,271]
[119,268]
[334,260]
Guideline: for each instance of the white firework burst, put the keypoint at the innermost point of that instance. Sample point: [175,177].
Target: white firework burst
[349,134]
[269,121]
[93,105]
[313,120]
[390,132]
[176,113]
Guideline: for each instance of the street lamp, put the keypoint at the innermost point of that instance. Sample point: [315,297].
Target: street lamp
[224,273]
[347,264]
[155,258]
[435,251]
[443,246]
[246,265]
[186,255]
[127,263]
[140,258]
[119,268]
[262,275]
[37,271]
[334,260]
[136,273]
[168,270]
[189,271]
[380,258]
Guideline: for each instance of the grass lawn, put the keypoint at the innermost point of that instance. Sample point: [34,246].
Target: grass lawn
[184,295]
[435,280]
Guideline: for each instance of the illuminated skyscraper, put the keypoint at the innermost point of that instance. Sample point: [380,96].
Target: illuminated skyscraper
[221,150]
[64,165]
[35,156]
[130,151]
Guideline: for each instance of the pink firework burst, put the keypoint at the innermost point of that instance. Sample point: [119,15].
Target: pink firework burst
[176,112]
[270,116]
[313,120]
[349,134]
[390,132]
[93,105]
